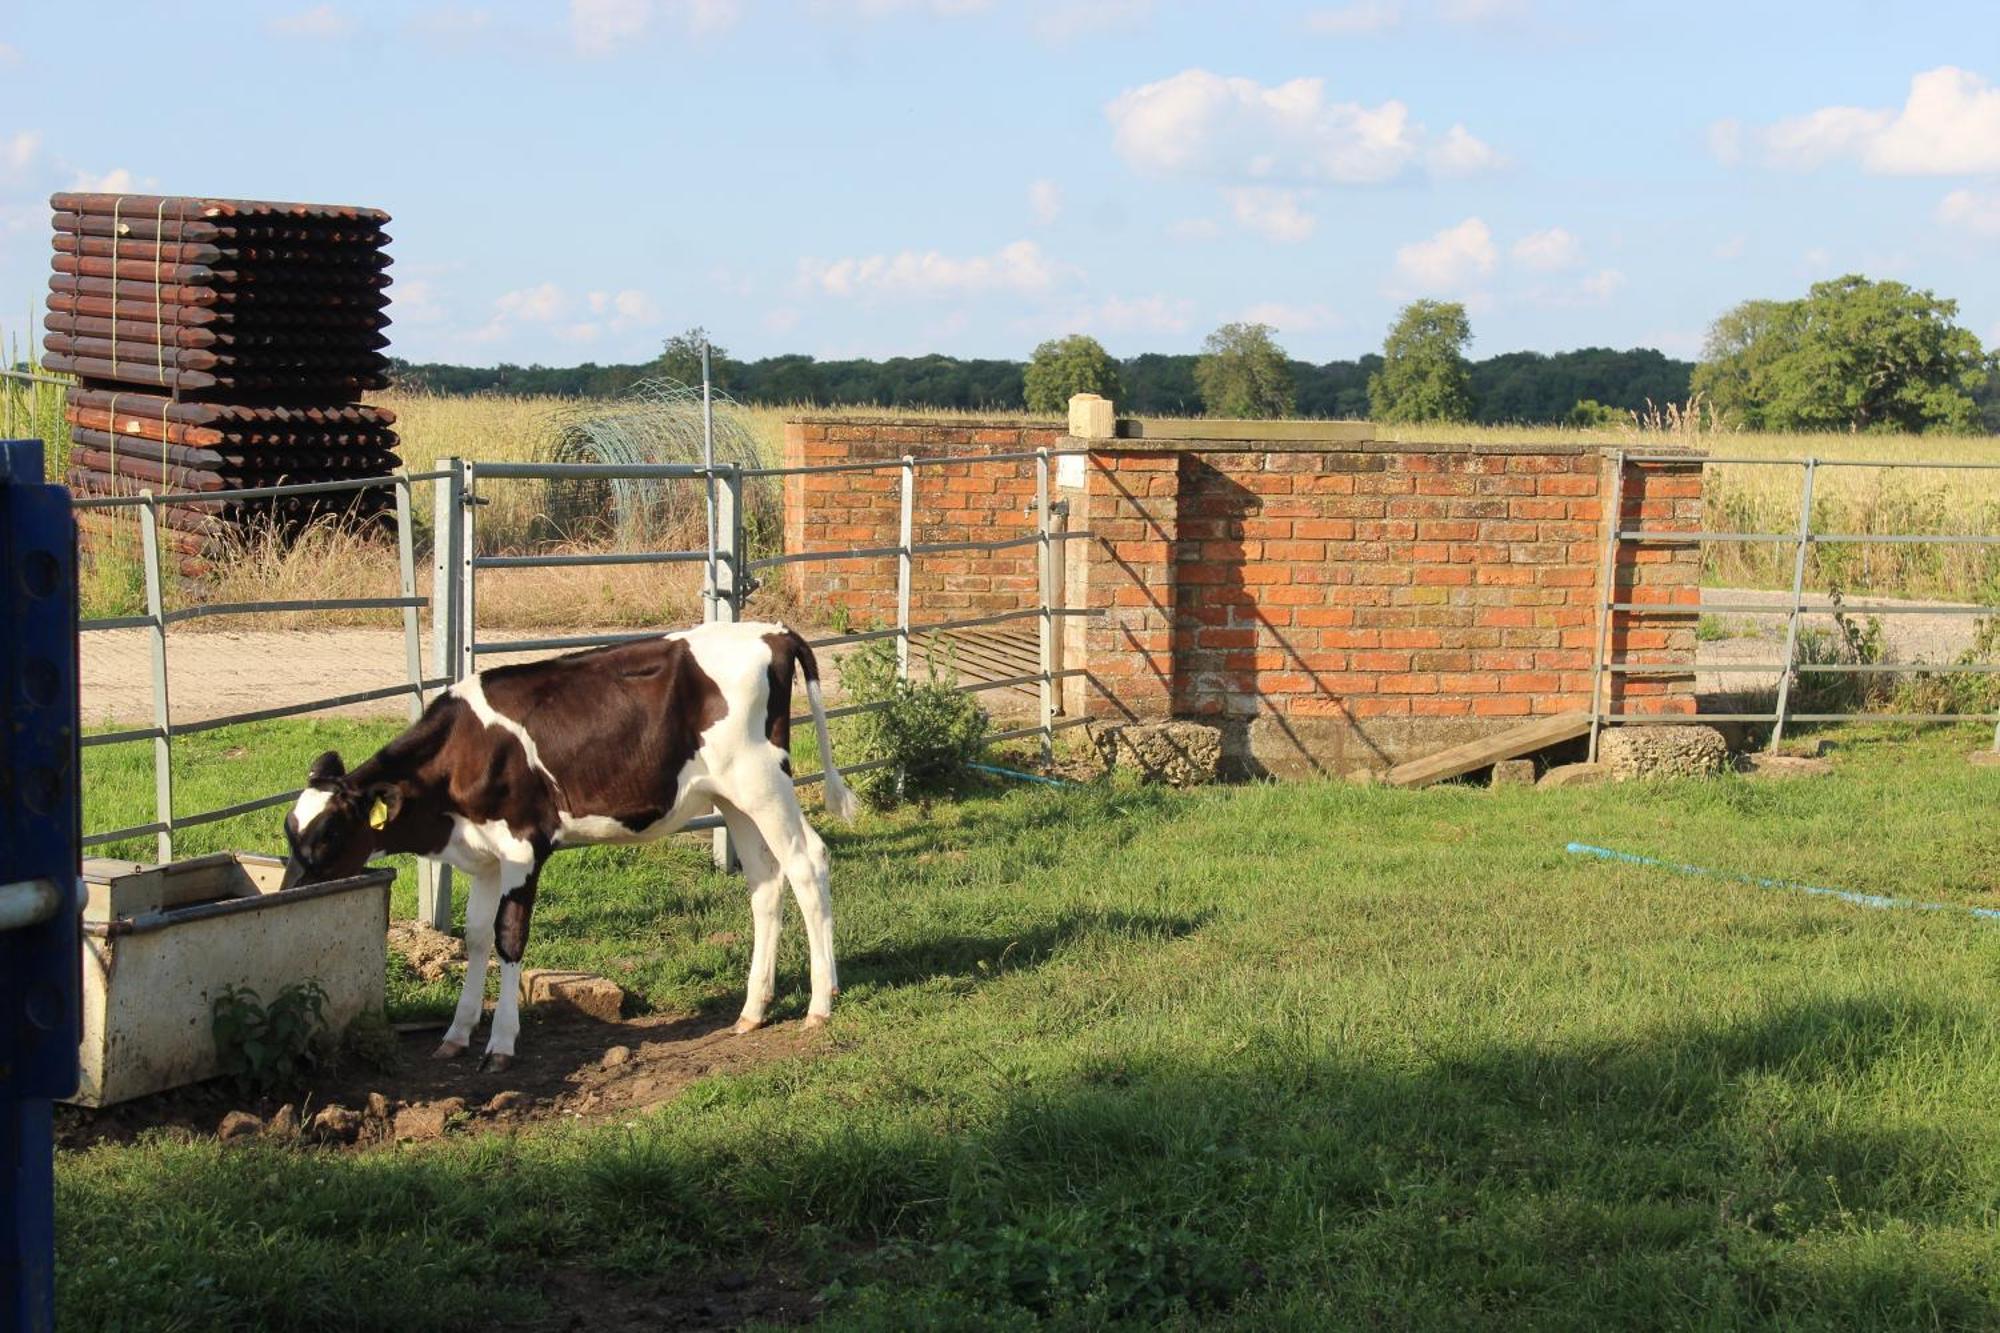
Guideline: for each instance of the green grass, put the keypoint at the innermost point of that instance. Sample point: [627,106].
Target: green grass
[1270,1057]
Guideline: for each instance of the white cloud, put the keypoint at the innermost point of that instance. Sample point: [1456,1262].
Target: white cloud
[417,302]
[1020,268]
[598,26]
[1146,314]
[118,180]
[1045,201]
[1603,284]
[602,27]
[781,320]
[1060,22]
[1274,214]
[1450,259]
[1976,211]
[629,308]
[1205,125]
[1948,125]
[18,150]
[1291,318]
[1195,229]
[1546,251]
[1460,154]
[321,23]
[535,305]
[1361,16]
[1725,141]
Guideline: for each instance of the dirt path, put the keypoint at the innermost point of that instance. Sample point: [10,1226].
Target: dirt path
[1760,637]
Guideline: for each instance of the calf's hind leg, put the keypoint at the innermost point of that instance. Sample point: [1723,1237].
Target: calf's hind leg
[767,888]
[803,857]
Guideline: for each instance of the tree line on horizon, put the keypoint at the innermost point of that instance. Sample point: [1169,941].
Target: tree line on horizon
[1526,387]
[1851,354]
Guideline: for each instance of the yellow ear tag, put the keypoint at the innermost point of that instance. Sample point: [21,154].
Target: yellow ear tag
[378,814]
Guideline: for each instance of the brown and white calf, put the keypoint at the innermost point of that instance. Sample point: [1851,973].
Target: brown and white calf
[611,745]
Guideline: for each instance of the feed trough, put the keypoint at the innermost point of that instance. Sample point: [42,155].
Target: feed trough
[160,943]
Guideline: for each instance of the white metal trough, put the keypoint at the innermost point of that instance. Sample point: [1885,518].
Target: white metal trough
[161,942]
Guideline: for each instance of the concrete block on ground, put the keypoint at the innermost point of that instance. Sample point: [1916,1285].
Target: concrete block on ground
[1514,773]
[1662,752]
[1178,753]
[1782,766]
[1576,775]
[584,992]
[1985,758]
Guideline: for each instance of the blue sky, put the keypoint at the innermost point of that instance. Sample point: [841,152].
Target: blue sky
[574,181]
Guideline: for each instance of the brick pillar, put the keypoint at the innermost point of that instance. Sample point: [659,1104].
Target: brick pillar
[1134,504]
[1660,497]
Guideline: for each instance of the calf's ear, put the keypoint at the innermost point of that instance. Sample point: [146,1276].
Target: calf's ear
[326,769]
[385,802]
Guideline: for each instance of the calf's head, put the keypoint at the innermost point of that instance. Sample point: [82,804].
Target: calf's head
[336,824]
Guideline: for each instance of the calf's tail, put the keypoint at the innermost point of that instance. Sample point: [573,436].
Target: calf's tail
[839,796]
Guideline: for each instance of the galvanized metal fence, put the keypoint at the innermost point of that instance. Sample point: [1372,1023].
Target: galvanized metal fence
[459,643]
[1605,666]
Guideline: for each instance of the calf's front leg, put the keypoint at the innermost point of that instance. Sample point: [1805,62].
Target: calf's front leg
[481,907]
[517,906]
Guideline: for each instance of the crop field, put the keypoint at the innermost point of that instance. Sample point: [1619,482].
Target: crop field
[1260,1057]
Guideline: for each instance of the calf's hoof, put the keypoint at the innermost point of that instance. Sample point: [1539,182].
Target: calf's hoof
[744,1025]
[815,1021]
[448,1050]
[495,1063]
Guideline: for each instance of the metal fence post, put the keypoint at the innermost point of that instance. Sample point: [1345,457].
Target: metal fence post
[725,558]
[163,744]
[905,559]
[428,871]
[447,523]
[1607,588]
[1045,622]
[468,546]
[1798,599]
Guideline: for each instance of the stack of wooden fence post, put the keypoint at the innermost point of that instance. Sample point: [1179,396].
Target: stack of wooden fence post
[219,345]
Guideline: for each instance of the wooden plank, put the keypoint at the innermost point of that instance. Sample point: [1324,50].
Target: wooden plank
[1512,743]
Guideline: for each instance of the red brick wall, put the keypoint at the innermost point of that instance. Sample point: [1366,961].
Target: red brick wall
[1333,605]
[954,502]
[1345,606]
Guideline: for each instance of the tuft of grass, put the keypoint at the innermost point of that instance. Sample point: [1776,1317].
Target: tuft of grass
[1276,1056]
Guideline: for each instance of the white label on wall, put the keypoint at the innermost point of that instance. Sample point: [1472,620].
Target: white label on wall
[1069,471]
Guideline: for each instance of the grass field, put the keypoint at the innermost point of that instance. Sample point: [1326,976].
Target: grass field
[1267,1057]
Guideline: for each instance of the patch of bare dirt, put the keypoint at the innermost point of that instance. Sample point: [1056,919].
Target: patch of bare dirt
[561,1073]
[430,952]
[769,1294]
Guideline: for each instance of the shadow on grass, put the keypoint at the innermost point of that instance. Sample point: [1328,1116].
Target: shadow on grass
[1754,1172]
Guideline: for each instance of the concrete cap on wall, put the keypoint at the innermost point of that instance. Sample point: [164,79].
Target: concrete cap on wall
[1092,417]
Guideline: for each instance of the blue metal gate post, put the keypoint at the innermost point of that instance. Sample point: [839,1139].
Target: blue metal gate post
[40,824]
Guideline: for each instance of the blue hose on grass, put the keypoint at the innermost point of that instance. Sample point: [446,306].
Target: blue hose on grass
[1025,777]
[1846,896]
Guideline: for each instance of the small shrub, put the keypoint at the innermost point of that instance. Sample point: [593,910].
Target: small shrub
[1851,642]
[265,1047]
[927,728]
[1710,629]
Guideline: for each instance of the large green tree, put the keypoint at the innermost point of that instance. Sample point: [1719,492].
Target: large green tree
[1061,367]
[680,359]
[1244,373]
[1851,355]
[1424,376]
